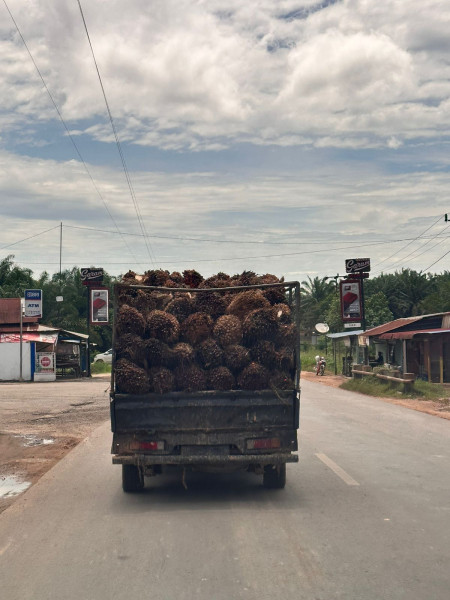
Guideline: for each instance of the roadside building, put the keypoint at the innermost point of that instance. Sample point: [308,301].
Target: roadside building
[34,352]
[348,347]
[419,345]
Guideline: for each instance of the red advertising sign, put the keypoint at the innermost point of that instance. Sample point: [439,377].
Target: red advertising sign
[351,303]
[99,306]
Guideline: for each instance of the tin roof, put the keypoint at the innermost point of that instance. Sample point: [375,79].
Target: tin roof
[10,312]
[408,335]
[391,326]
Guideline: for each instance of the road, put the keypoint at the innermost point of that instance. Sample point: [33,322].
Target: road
[365,515]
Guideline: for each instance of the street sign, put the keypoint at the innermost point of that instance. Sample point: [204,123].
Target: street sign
[352,325]
[91,276]
[33,303]
[357,265]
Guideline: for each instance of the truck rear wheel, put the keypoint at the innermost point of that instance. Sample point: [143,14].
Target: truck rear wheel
[132,480]
[274,476]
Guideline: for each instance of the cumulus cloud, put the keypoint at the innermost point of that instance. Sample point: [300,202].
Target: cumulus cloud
[201,75]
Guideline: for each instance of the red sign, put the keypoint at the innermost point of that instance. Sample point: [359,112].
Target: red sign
[351,303]
[99,301]
[45,361]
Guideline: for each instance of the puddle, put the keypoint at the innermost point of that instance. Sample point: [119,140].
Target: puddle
[12,486]
[32,440]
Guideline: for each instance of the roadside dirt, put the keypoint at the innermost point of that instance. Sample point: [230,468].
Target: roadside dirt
[431,407]
[40,423]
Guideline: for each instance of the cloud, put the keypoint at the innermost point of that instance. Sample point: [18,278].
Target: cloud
[301,223]
[191,75]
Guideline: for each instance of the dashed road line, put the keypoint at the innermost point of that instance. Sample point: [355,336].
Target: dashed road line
[339,471]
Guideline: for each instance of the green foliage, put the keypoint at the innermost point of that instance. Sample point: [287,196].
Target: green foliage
[315,296]
[13,279]
[406,291]
[377,310]
[100,367]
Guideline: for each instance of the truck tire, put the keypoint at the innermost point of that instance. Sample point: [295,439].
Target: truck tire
[131,479]
[274,476]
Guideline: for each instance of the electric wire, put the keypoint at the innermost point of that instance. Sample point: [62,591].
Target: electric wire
[119,147]
[231,241]
[423,251]
[69,135]
[401,249]
[28,238]
[436,261]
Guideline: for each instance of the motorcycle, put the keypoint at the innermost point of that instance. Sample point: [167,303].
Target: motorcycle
[320,366]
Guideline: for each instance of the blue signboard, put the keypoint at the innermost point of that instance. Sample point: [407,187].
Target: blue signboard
[33,303]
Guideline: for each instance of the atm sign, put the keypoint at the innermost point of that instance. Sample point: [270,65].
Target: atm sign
[33,303]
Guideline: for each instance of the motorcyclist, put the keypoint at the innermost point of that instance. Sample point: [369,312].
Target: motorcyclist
[320,365]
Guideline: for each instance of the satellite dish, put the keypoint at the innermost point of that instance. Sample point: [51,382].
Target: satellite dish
[322,327]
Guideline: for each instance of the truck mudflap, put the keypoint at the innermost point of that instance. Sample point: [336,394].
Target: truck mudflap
[206,459]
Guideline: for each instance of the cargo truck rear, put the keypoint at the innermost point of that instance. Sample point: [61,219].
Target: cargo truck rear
[174,424]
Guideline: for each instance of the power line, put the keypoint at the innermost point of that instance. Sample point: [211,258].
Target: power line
[29,238]
[116,136]
[401,249]
[70,136]
[219,241]
[438,260]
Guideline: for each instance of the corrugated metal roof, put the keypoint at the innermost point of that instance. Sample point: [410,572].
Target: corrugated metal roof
[391,326]
[10,312]
[408,335]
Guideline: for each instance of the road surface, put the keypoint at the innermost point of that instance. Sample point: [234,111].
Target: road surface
[365,515]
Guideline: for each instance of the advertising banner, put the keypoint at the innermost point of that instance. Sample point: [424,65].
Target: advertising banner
[99,306]
[91,276]
[45,366]
[351,304]
[33,303]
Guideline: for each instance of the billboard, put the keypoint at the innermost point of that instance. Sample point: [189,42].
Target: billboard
[351,301]
[33,303]
[99,306]
[91,276]
[357,265]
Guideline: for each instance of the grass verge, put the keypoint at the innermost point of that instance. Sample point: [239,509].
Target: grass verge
[422,390]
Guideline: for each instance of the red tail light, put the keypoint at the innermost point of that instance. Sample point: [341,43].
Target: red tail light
[263,444]
[149,446]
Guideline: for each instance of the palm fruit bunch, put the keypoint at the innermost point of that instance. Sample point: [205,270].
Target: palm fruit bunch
[131,379]
[201,334]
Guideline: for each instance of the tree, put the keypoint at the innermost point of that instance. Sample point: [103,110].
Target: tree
[14,280]
[377,310]
[315,297]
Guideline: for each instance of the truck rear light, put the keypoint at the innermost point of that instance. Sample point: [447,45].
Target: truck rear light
[148,445]
[263,444]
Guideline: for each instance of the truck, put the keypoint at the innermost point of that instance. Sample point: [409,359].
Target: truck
[222,429]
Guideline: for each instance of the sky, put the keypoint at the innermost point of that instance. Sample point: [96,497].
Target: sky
[274,136]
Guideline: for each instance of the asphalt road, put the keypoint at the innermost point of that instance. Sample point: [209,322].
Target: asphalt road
[365,515]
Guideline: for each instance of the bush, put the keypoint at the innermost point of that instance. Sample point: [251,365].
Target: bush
[100,367]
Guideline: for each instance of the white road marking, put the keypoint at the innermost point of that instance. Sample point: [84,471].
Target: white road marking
[337,469]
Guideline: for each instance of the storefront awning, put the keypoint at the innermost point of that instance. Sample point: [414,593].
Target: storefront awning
[32,336]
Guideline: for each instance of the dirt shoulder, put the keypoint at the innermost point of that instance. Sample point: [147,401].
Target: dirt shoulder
[430,407]
[41,422]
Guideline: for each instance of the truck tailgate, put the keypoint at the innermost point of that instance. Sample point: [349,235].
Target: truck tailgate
[206,411]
